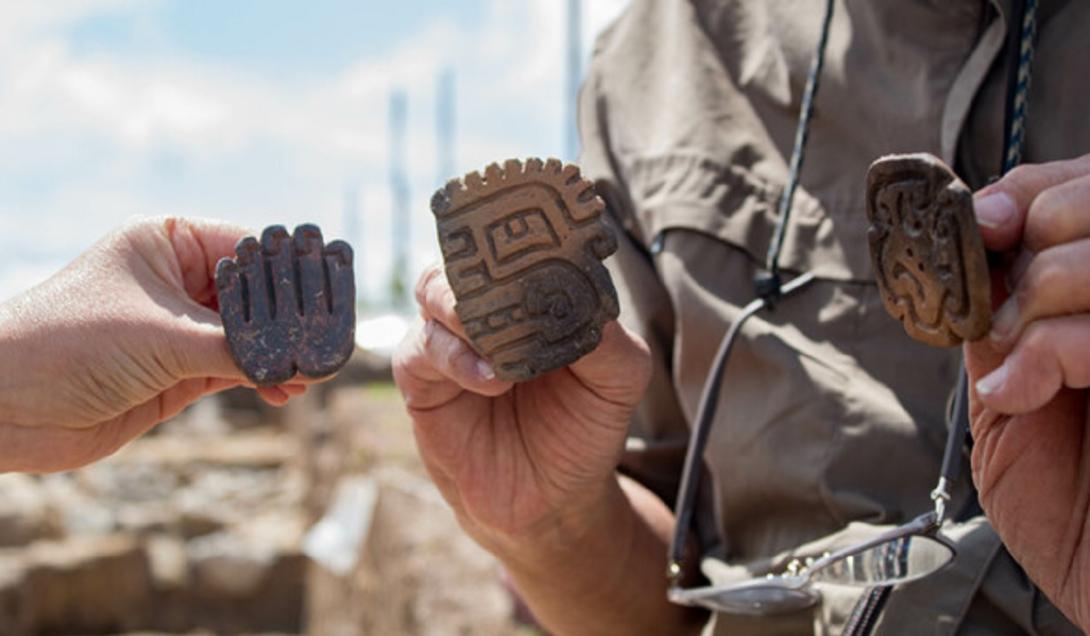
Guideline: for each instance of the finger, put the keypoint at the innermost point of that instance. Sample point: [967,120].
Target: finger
[1016,269]
[164,406]
[277,247]
[1001,208]
[308,247]
[1050,355]
[432,367]
[293,390]
[421,384]
[201,350]
[274,395]
[198,245]
[1060,214]
[430,272]
[620,348]
[1053,285]
[437,301]
[455,360]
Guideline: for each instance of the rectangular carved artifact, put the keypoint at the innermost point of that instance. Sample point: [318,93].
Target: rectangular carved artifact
[926,250]
[523,245]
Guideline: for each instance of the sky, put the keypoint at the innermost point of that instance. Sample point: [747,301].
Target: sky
[261,112]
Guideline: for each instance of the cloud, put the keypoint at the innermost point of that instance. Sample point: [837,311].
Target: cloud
[90,138]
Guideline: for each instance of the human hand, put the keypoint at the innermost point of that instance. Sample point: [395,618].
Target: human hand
[522,462]
[1029,403]
[121,339]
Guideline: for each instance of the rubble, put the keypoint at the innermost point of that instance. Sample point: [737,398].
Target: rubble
[198,529]
[24,516]
[83,585]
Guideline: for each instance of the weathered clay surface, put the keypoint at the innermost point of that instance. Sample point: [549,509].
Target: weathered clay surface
[523,245]
[288,304]
[926,250]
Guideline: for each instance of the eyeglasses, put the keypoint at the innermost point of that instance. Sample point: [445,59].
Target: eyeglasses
[905,553]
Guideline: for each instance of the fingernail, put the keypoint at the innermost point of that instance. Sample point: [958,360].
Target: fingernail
[485,370]
[1004,320]
[995,210]
[992,382]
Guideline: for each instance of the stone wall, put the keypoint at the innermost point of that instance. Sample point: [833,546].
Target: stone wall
[198,528]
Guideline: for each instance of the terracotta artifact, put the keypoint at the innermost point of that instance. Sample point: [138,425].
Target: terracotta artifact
[288,304]
[523,245]
[926,250]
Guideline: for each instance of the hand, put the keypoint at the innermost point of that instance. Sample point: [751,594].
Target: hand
[1029,406]
[516,461]
[121,339]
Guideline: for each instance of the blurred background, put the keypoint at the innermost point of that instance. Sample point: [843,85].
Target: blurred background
[236,518]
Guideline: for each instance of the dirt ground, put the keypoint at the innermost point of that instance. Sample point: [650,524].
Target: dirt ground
[199,528]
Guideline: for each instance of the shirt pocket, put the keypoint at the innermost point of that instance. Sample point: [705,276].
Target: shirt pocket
[738,204]
[783,456]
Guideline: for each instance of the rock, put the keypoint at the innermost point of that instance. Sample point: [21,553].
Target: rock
[249,577]
[87,585]
[225,564]
[420,573]
[15,617]
[336,540]
[25,515]
[168,562]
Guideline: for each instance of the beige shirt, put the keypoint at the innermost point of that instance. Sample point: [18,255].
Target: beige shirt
[829,414]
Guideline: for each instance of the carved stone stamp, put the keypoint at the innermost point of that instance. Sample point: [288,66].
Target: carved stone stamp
[523,245]
[288,304]
[926,250]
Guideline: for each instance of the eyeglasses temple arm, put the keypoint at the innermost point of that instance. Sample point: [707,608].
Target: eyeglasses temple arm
[955,442]
[924,524]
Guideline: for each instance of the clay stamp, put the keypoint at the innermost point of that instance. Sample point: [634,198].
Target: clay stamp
[288,304]
[926,250]
[523,245]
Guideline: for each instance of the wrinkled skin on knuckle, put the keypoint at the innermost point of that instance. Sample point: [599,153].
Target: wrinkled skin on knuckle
[425,280]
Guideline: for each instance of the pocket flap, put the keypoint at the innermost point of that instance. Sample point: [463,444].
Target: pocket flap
[740,207]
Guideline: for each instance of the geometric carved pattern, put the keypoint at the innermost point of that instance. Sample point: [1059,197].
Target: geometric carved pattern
[926,250]
[523,245]
[288,305]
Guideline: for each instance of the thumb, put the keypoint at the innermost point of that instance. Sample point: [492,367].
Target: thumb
[198,245]
[201,349]
[619,369]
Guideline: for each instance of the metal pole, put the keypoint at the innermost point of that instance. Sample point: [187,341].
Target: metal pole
[445,125]
[574,79]
[354,235]
[399,189]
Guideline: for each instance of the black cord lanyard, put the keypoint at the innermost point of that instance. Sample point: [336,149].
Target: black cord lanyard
[767,283]
[768,291]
